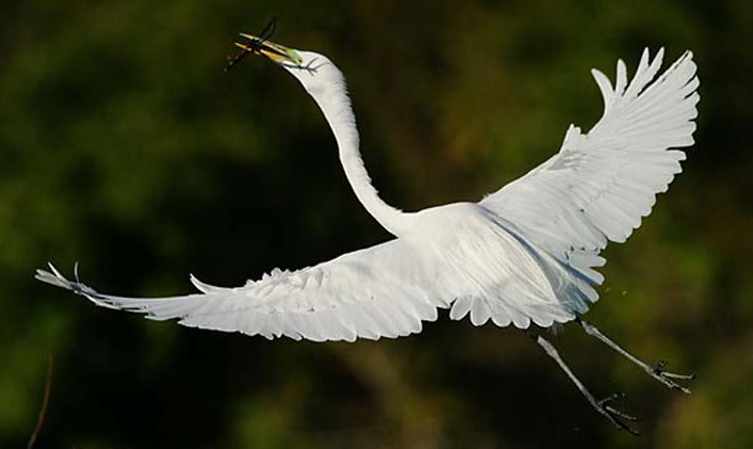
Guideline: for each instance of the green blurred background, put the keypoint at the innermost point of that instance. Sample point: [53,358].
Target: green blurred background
[124,146]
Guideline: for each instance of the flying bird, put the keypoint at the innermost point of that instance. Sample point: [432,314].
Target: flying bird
[525,255]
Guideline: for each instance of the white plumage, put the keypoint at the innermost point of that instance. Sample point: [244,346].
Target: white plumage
[525,253]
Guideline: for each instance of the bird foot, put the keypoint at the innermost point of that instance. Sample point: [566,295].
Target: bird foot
[657,372]
[614,415]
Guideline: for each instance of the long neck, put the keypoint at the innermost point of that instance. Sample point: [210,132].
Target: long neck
[335,104]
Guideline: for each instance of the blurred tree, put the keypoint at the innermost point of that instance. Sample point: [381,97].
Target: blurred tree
[123,146]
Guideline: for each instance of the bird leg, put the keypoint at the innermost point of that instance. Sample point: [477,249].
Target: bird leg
[655,371]
[602,406]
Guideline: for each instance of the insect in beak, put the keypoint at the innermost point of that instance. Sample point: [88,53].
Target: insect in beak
[254,45]
[260,45]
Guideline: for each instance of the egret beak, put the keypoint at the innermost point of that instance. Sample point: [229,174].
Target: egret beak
[274,52]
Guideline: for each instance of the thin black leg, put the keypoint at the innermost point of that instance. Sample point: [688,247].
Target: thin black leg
[655,371]
[602,406]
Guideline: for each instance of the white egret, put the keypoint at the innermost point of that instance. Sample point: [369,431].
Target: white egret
[525,254]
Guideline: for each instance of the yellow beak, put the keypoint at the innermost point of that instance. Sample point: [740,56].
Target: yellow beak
[275,52]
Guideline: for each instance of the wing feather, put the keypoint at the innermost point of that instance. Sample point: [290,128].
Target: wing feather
[601,184]
[372,293]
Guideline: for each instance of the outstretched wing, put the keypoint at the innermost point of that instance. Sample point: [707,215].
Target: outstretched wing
[600,185]
[375,292]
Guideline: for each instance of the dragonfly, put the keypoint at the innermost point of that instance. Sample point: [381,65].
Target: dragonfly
[254,46]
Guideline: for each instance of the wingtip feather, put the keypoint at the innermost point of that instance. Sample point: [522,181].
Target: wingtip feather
[605,86]
[621,81]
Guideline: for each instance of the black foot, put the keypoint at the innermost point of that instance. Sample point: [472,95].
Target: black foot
[615,416]
[665,377]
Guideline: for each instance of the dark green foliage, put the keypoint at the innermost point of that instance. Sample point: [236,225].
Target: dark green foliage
[124,146]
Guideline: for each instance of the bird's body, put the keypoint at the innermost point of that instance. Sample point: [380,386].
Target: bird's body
[524,254]
[489,269]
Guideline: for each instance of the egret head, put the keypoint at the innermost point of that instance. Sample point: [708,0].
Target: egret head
[314,71]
